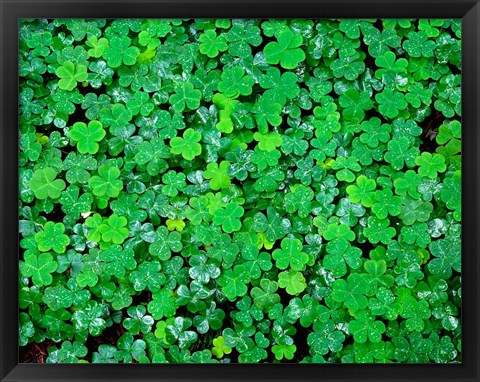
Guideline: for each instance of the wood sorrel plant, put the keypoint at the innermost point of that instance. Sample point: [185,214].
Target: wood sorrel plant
[240,191]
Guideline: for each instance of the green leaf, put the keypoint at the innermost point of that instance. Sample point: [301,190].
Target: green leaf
[188,146]
[284,351]
[286,50]
[355,104]
[325,338]
[351,292]
[165,244]
[211,44]
[293,282]
[390,103]
[235,83]
[430,165]
[233,282]
[365,327]
[279,87]
[241,37]
[129,349]
[138,321]
[118,260]
[87,137]
[400,153]
[52,237]
[70,74]
[340,254]
[418,44]
[377,269]
[218,175]
[178,332]
[447,255]
[119,51]
[44,184]
[97,45]
[219,347]
[114,229]
[163,304]
[386,204]
[186,96]
[363,191]
[290,255]
[299,199]
[374,133]
[379,230]
[264,297]
[39,268]
[106,182]
[415,210]
[116,117]
[268,142]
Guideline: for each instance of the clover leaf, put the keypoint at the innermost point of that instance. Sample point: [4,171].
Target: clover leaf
[165,243]
[264,297]
[218,175]
[447,257]
[351,292]
[386,204]
[430,165]
[138,321]
[234,83]
[117,116]
[129,349]
[211,44]
[87,137]
[363,191]
[365,327]
[228,217]
[118,260]
[286,50]
[233,282]
[293,282]
[241,37]
[378,230]
[44,184]
[39,268]
[219,347]
[340,254]
[299,199]
[187,145]
[355,104]
[186,96]
[415,210]
[163,304]
[70,74]
[325,338]
[415,312]
[120,51]
[390,103]
[97,45]
[279,87]
[106,182]
[114,229]
[290,255]
[52,237]
[400,153]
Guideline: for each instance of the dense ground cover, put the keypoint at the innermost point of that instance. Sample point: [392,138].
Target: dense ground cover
[240,191]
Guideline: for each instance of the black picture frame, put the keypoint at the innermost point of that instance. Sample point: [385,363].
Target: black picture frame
[12,10]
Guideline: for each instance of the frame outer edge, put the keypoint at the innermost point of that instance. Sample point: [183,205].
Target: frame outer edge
[470,192]
[14,372]
[8,189]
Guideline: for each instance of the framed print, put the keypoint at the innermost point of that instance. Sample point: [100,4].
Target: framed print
[236,190]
